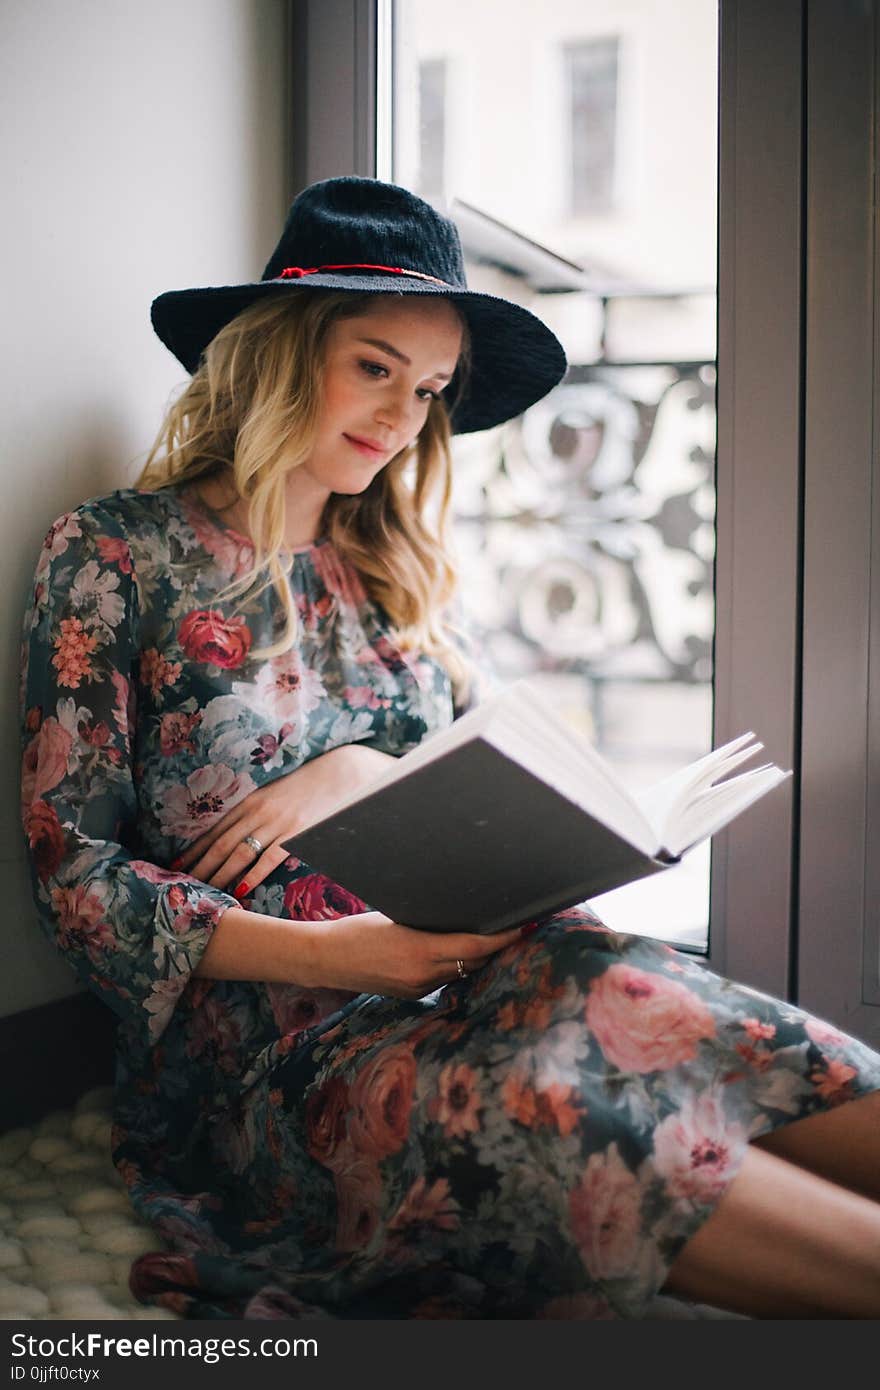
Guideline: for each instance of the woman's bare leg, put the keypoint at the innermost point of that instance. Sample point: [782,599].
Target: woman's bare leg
[784,1243]
[842,1145]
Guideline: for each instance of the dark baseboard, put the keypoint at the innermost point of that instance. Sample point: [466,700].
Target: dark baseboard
[51,1055]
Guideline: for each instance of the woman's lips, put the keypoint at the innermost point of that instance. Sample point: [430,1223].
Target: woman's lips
[370,450]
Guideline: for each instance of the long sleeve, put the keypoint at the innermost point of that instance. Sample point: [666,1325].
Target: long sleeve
[132,931]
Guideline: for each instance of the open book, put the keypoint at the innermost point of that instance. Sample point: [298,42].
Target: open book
[510,815]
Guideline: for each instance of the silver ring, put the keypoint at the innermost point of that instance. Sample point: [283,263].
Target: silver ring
[254,843]
[462,973]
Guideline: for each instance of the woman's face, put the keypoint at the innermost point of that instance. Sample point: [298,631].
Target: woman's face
[380,371]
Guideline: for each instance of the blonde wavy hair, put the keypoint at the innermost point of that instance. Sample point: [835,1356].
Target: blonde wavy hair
[249,414]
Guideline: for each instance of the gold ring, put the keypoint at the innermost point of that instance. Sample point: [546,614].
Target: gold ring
[462,973]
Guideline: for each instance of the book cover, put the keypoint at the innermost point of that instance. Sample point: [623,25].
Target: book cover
[470,841]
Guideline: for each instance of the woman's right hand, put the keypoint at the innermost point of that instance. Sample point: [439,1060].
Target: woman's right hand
[275,812]
[371,954]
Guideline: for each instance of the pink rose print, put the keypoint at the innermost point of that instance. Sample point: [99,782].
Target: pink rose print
[175,731]
[645,1022]
[315,898]
[81,922]
[206,636]
[429,1206]
[45,760]
[697,1150]
[358,1197]
[327,1120]
[605,1213]
[156,671]
[381,1100]
[74,647]
[45,837]
[207,795]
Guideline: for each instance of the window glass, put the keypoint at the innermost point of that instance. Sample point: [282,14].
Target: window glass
[561,133]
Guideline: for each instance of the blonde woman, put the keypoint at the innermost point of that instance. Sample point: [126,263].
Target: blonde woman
[322,1110]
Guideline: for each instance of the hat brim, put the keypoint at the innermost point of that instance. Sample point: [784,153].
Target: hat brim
[515,358]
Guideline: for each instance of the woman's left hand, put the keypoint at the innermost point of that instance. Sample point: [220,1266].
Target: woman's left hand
[275,812]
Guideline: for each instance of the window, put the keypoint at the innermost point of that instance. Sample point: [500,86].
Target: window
[591,73]
[432,127]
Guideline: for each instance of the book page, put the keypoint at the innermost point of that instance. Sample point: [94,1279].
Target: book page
[670,798]
[718,806]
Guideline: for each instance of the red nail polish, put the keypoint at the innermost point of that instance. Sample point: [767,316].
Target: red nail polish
[177,863]
[241,891]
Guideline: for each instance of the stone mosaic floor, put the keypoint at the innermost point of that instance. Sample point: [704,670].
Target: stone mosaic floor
[68,1235]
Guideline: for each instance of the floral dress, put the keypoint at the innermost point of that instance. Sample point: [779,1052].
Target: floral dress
[537,1140]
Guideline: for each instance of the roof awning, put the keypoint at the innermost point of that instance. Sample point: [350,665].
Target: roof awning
[487,241]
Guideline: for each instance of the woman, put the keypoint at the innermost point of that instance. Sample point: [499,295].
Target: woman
[324,1112]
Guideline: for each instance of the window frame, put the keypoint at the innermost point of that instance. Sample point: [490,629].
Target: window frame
[754,900]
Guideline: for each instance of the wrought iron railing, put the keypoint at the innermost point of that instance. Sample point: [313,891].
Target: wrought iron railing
[586,529]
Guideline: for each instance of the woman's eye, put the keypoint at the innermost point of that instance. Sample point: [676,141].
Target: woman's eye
[378,370]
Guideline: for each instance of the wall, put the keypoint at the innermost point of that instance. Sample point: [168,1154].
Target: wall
[144,150]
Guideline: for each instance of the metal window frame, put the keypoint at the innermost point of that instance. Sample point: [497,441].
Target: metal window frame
[754,906]
[839,967]
[333,54]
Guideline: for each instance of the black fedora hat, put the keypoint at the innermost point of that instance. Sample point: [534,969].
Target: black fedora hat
[363,235]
